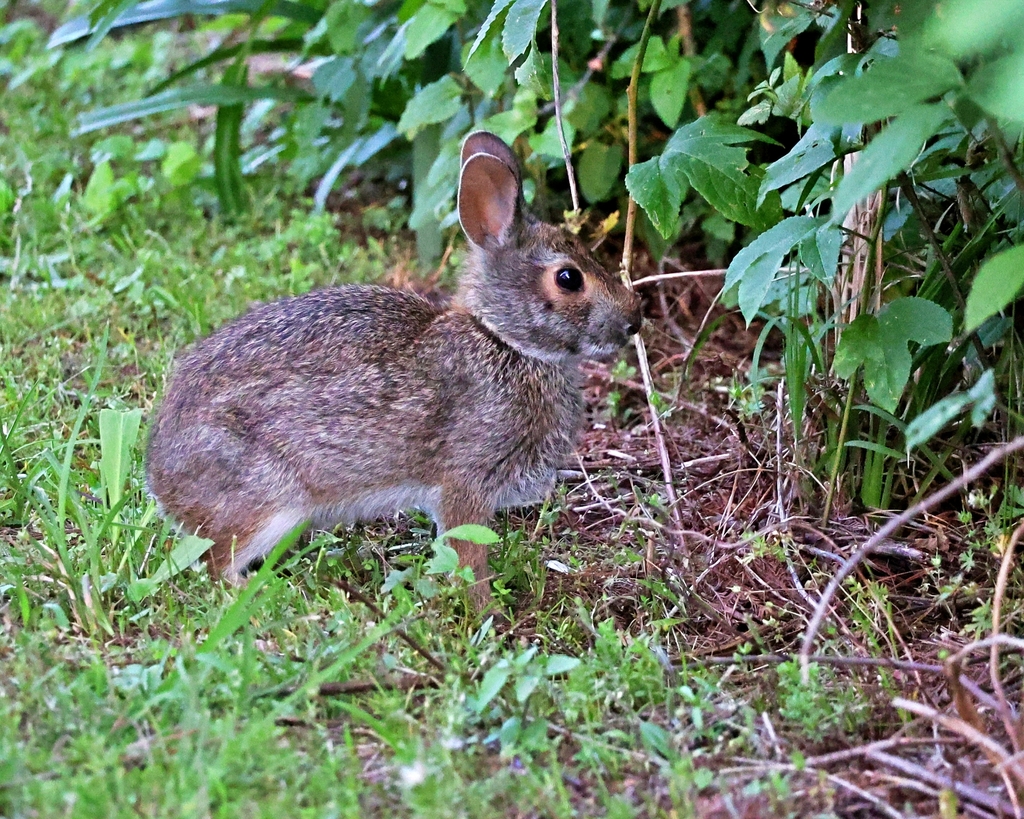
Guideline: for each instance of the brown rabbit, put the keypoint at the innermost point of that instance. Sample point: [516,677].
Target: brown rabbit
[355,402]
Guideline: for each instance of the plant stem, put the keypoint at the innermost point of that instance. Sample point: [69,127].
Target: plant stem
[1006,155]
[626,271]
[557,87]
[834,472]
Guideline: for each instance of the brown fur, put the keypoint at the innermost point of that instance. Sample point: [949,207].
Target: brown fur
[356,401]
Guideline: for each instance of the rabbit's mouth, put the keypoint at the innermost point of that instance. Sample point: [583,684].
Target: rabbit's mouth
[602,352]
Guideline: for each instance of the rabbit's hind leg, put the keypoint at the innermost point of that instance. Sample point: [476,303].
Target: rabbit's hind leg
[235,548]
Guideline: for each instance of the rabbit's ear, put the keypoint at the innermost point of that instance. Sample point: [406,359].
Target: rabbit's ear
[484,142]
[489,198]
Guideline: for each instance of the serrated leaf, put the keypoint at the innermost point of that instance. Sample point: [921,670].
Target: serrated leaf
[486,66]
[815,149]
[668,91]
[437,102]
[707,152]
[655,187]
[998,283]
[755,266]
[600,166]
[498,7]
[521,27]
[891,151]
[889,87]
[490,686]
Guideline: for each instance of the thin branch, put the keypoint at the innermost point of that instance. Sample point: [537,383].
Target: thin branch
[681,274]
[1011,722]
[558,107]
[855,559]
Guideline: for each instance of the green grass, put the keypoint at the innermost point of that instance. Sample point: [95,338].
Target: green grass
[120,696]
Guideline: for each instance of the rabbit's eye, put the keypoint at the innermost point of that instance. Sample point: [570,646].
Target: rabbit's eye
[569,278]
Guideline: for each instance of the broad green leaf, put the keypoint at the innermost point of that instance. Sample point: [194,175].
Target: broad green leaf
[181,98]
[187,550]
[521,27]
[100,198]
[656,58]
[473,532]
[998,89]
[754,267]
[444,561]
[778,30]
[490,686]
[118,432]
[889,87]
[880,345]
[560,664]
[668,91]
[428,25]
[706,152]
[655,186]
[164,9]
[334,77]
[815,149]
[436,102]
[969,27]
[820,252]
[998,283]
[600,166]
[891,151]
[181,164]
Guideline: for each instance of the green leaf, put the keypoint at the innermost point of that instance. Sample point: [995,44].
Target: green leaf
[490,686]
[437,102]
[889,87]
[891,151]
[656,187]
[997,87]
[656,58]
[521,27]
[981,398]
[778,30]
[100,198]
[498,7]
[820,252]
[474,533]
[181,164]
[118,432]
[600,166]
[164,9]
[997,284]
[428,25]
[705,151]
[444,561]
[486,66]
[815,149]
[754,267]
[187,550]
[334,77]
[181,98]
[227,148]
[880,345]
[560,664]
[668,91]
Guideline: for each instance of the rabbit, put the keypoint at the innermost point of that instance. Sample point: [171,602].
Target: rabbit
[357,401]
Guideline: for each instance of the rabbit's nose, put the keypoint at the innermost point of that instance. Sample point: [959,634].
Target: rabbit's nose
[634,325]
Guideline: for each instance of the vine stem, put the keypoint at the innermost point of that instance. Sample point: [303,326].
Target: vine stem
[557,88]
[626,271]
